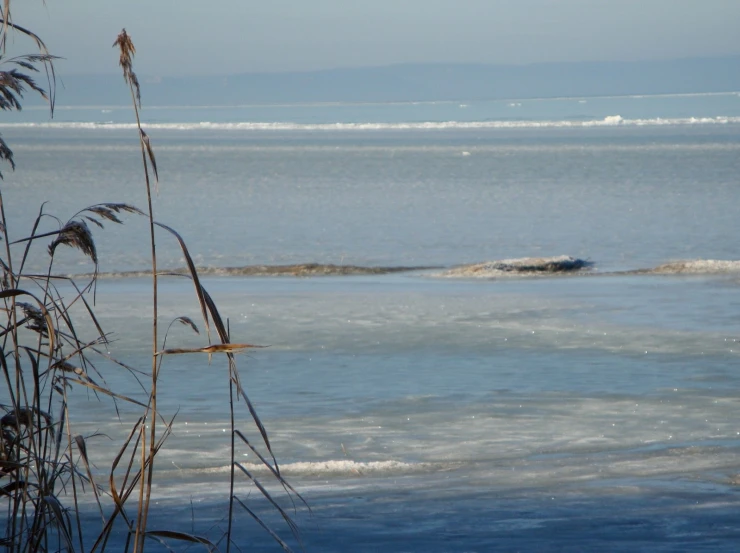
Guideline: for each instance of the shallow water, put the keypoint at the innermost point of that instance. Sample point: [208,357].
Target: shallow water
[422,414]
[417,412]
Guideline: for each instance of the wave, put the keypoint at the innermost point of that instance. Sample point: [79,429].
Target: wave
[609,121]
[343,467]
[519,267]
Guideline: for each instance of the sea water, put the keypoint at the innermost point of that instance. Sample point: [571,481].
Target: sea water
[416,411]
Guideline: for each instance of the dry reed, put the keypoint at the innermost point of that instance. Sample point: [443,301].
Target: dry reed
[45,465]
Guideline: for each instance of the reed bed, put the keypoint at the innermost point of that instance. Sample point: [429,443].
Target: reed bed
[47,467]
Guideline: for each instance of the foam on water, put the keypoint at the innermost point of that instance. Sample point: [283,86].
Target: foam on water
[608,121]
[333,468]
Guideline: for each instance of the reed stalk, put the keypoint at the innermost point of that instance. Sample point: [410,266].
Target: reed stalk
[127,51]
[45,465]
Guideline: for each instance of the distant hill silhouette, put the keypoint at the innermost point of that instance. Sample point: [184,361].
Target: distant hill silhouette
[417,82]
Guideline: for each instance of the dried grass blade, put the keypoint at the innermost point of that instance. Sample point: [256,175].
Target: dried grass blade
[193,274]
[119,502]
[8,489]
[269,530]
[94,221]
[110,210]
[82,448]
[62,522]
[26,250]
[274,470]
[121,364]
[182,536]
[266,494]
[187,321]
[104,212]
[6,17]
[9,466]
[257,422]
[215,316]
[14,292]
[215,348]
[150,153]
[25,416]
[90,313]
[105,391]
[7,23]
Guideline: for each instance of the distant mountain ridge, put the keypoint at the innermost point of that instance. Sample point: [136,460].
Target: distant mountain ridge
[417,82]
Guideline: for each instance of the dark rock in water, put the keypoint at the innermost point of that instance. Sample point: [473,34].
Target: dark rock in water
[522,266]
[541,265]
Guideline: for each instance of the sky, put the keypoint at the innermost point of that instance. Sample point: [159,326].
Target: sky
[219,37]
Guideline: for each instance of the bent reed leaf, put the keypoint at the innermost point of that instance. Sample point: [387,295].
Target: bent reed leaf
[24,416]
[264,526]
[105,391]
[6,154]
[199,291]
[182,536]
[215,348]
[110,211]
[8,489]
[150,153]
[266,495]
[61,519]
[187,321]
[274,470]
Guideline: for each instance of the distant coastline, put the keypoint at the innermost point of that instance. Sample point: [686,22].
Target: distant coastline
[417,83]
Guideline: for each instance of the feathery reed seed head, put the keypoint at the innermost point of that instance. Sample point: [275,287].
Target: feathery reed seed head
[76,234]
[126,61]
[36,320]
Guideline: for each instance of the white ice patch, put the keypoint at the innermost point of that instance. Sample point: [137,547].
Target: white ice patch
[339,467]
[608,121]
[698,266]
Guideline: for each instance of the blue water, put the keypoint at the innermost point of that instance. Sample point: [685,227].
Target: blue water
[531,110]
[415,411]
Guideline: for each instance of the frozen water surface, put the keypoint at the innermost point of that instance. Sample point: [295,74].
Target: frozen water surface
[596,410]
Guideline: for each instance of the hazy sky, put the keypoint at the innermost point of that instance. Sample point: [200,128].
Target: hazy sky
[180,37]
